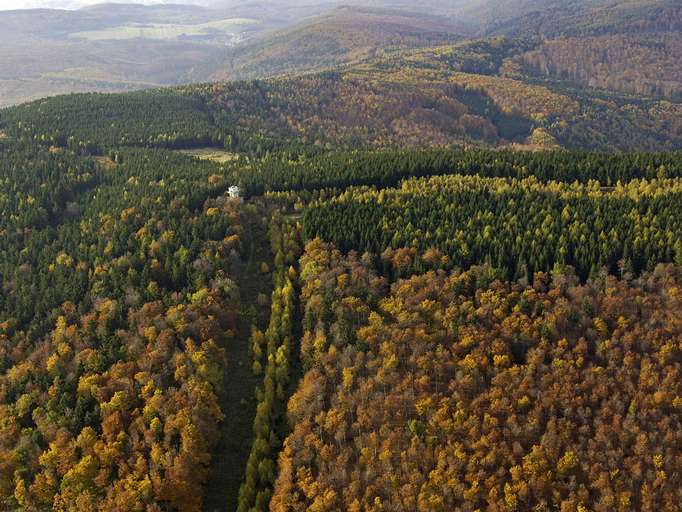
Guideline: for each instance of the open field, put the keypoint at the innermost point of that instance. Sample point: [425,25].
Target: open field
[212,154]
[166,31]
[104,162]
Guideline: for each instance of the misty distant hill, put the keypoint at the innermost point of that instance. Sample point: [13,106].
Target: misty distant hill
[117,48]
[346,35]
[120,47]
[114,47]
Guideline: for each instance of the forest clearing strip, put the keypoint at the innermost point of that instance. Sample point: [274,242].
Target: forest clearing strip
[238,401]
[272,353]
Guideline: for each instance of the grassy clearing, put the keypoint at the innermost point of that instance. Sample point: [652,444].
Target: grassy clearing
[293,216]
[164,31]
[214,155]
[104,162]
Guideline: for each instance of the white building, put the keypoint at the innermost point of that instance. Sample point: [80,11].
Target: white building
[234,192]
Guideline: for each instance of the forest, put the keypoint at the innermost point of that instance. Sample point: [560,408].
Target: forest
[444,276]
[431,98]
[519,226]
[460,391]
[645,66]
[118,300]
[387,168]
[379,304]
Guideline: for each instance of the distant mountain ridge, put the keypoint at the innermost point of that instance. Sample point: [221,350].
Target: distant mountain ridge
[464,93]
[552,19]
[44,52]
[344,36]
[613,46]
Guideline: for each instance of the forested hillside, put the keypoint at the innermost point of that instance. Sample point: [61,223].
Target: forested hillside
[323,110]
[368,77]
[421,104]
[613,45]
[345,36]
[109,48]
[641,65]
[565,18]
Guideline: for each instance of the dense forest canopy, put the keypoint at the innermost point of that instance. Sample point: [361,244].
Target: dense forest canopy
[126,276]
[519,226]
[117,300]
[387,168]
[459,391]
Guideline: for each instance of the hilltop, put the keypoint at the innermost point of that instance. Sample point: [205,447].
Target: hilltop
[560,18]
[578,44]
[615,45]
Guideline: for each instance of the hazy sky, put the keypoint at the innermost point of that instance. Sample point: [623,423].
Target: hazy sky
[75,4]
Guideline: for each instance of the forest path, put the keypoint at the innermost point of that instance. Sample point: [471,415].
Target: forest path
[238,400]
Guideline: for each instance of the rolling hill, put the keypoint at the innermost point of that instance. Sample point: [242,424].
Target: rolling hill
[615,45]
[554,18]
[122,47]
[581,44]
[558,18]
[421,98]
[640,64]
[47,51]
[359,77]
[346,35]
[584,44]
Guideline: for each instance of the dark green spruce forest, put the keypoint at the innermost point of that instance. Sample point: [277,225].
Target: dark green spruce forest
[415,299]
